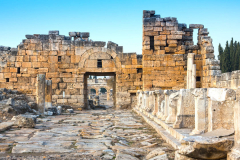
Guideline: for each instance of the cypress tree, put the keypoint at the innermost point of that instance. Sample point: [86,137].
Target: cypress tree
[220,55]
[226,59]
[236,57]
[231,56]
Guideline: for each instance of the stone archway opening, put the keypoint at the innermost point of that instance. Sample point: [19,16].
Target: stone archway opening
[105,93]
[93,91]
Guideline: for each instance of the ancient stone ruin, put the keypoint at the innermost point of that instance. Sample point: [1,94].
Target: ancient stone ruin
[176,86]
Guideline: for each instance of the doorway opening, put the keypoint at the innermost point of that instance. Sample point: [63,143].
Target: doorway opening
[195,36]
[99,90]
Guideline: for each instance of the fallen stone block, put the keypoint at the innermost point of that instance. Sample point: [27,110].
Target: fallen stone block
[25,121]
[10,102]
[155,152]
[52,109]
[205,148]
[59,110]
[70,111]
[5,125]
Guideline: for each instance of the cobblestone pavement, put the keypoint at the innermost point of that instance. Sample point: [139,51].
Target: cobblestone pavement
[95,134]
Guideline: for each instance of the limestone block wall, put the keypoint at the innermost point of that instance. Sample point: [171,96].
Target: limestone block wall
[166,44]
[226,80]
[68,61]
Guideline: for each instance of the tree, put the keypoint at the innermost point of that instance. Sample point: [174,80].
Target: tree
[232,56]
[220,55]
[226,59]
[236,56]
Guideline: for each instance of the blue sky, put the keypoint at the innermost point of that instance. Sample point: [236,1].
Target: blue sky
[119,21]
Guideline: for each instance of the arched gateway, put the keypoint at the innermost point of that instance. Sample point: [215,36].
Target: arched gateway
[100,62]
[68,61]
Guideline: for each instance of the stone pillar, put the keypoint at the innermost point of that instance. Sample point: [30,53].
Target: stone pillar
[138,94]
[146,100]
[190,70]
[201,104]
[97,92]
[220,101]
[141,100]
[166,93]
[108,97]
[41,93]
[151,101]
[48,94]
[235,151]
[173,102]
[194,69]
[156,105]
[159,97]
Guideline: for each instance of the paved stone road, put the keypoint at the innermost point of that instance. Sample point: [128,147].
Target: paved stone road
[95,134]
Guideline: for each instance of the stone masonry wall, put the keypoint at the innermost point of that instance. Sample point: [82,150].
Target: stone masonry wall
[166,44]
[66,60]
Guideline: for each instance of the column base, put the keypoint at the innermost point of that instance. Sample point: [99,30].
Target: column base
[196,132]
[170,119]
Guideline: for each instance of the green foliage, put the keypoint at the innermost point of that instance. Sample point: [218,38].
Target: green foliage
[229,56]
[220,56]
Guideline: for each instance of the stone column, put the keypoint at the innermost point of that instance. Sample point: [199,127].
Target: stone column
[41,93]
[173,102]
[235,151]
[166,93]
[190,70]
[97,92]
[141,100]
[159,97]
[48,94]
[194,69]
[155,109]
[108,95]
[151,101]
[146,100]
[220,101]
[138,99]
[201,104]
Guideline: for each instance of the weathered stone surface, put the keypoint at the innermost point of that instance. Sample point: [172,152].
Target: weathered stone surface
[5,125]
[125,157]
[102,133]
[205,148]
[154,153]
[160,157]
[25,121]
